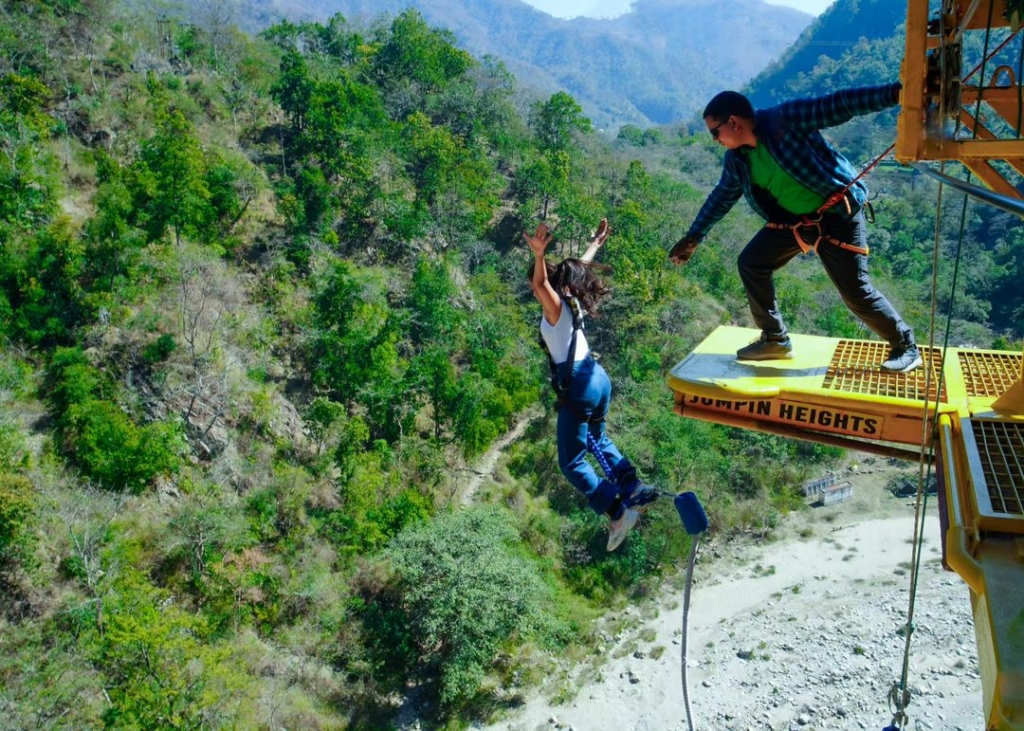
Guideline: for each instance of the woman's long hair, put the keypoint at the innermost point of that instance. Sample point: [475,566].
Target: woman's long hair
[582,281]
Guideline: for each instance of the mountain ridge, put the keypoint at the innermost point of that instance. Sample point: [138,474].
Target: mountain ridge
[655,65]
[877,23]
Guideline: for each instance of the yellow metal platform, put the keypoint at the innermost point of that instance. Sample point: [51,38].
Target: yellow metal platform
[833,392]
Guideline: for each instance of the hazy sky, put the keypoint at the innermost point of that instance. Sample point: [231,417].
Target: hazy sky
[611,8]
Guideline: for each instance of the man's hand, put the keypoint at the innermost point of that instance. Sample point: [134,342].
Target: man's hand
[683,250]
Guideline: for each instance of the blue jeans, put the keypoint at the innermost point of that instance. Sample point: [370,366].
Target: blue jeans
[584,411]
[771,249]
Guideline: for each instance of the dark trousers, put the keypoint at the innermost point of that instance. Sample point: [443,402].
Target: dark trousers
[771,249]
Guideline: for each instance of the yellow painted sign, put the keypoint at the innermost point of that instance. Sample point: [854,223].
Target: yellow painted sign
[823,418]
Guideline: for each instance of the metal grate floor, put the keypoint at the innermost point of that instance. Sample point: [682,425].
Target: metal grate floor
[854,369]
[1001,449]
[989,374]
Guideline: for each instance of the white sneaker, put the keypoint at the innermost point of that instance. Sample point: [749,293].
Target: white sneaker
[618,529]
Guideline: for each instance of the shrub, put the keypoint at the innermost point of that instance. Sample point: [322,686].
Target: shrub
[12,447]
[160,668]
[16,509]
[464,589]
[160,349]
[114,451]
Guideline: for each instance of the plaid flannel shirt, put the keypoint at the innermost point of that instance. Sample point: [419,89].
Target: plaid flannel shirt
[790,131]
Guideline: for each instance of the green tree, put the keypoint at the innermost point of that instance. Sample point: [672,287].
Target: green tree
[433,155]
[556,121]
[390,400]
[113,244]
[464,589]
[98,436]
[542,181]
[40,279]
[294,87]
[338,124]
[352,321]
[322,416]
[162,667]
[28,175]
[70,379]
[480,411]
[1007,295]
[172,189]
[434,316]
[433,370]
[354,351]
[115,452]
[414,53]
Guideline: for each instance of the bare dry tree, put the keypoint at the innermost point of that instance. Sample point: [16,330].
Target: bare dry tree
[87,518]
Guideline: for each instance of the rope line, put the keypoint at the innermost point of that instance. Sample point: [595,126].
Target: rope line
[899,695]
[986,57]
[691,561]
[840,194]
[686,611]
[606,468]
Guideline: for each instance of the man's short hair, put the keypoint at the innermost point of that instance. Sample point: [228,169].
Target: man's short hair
[728,103]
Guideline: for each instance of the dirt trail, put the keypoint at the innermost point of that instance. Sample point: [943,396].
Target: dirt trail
[484,468]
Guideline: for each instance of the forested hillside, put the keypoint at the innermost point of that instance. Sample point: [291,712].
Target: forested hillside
[841,42]
[264,301]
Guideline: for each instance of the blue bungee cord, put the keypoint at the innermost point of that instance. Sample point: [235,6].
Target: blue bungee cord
[599,456]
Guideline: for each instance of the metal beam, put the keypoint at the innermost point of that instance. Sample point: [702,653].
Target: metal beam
[1013,205]
[950,149]
[910,124]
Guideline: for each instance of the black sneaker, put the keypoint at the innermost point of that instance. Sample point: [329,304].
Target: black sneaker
[766,348]
[641,497]
[903,359]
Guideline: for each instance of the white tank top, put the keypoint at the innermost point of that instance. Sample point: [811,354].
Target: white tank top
[557,337]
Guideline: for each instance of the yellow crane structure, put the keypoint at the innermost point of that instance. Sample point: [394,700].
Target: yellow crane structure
[965,407]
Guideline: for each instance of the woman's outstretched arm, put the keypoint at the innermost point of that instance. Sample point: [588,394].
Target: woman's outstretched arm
[595,243]
[542,289]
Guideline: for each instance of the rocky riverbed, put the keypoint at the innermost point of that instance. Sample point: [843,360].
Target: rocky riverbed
[806,631]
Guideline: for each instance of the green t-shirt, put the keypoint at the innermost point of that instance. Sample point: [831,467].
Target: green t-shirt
[791,194]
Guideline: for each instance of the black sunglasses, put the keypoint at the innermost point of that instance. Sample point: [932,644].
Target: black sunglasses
[715,130]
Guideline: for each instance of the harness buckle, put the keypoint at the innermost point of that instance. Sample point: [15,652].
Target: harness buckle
[808,233]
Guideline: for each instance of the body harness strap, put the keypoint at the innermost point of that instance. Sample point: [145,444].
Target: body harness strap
[808,231]
[560,382]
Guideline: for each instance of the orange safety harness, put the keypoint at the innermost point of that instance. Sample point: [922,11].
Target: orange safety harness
[808,231]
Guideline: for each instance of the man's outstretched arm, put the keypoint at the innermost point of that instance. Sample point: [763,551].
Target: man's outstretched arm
[842,106]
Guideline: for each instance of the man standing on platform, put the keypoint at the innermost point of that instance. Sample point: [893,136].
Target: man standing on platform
[778,160]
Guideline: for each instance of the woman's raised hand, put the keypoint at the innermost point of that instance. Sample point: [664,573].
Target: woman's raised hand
[540,239]
[596,240]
